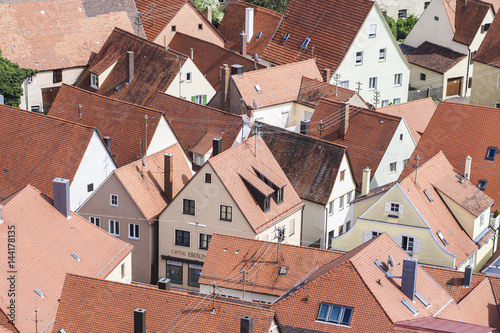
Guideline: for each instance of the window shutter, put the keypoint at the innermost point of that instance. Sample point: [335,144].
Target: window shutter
[416,245]
[193,99]
[387,207]
[204,99]
[401,209]
[367,235]
[398,239]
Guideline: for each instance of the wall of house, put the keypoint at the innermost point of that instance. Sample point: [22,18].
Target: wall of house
[292,234]
[186,21]
[104,75]
[116,274]
[397,151]
[371,66]
[127,212]
[95,166]
[314,224]
[392,7]
[45,79]
[485,88]
[280,115]
[249,296]
[483,255]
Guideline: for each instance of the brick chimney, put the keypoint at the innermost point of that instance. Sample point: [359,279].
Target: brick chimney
[468,162]
[130,66]
[224,79]
[344,119]
[326,74]
[168,187]
[208,14]
[243,42]
[365,184]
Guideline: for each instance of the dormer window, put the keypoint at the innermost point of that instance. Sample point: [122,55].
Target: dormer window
[198,159]
[482,184]
[279,195]
[94,81]
[490,153]
[306,42]
[337,314]
[267,204]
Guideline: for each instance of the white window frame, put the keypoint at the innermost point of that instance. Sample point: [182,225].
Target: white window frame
[396,100]
[291,227]
[116,231]
[198,99]
[198,159]
[395,207]
[400,11]
[372,31]
[344,84]
[498,82]
[95,221]
[385,102]
[349,198]
[395,164]
[375,81]
[408,241]
[111,196]
[360,62]
[382,52]
[341,202]
[135,234]
[481,220]
[331,207]
[94,81]
[189,77]
[398,79]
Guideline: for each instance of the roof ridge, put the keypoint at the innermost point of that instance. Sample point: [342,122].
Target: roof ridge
[322,83]
[409,102]
[472,106]
[275,68]
[146,158]
[263,9]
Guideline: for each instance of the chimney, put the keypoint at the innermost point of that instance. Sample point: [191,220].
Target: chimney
[409,279]
[249,23]
[168,170]
[305,125]
[208,14]
[365,185]
[216,146]
[243,42]
[237,69]
[107,142]
[130,66]
[468,162]
[139,321]
[192,53]
[61,196]
[164,284]
[467,276]
[326,74]
[224,79]
[246,324]
[344,119]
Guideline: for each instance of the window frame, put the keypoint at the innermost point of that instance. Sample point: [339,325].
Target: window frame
[423,76]
[95,221]
[341,202]
[342,175]
[189,77]
[404,12]
[203,241]
[116,227]
[174,263]
[340,314]
[57,75]
[94,81]
[221,218]
[291,227]
[331,207]
[182,239]
[360,62]
[385,102]
[372,33]
[200,26]
[482,184]
[198,268]
[375,80]
[384,52]
[395,207]
[344,84]
[188,211]
[173,28]
[111,196]
[398,79]
[391,169]
[494,151]
[135,231]
[349,198]
[90,187]
[407,243]
[208,178]
[396,100]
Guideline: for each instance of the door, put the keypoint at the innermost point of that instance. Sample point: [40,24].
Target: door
[453,86]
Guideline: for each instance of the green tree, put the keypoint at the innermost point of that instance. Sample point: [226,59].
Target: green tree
[11,80]
[402,27]
[216,12]
[276,5]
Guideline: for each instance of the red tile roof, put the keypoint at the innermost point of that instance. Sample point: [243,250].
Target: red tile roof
[311,91]
[6,324]
[432,324]
[487,52]
[491,262]
[330,25]
[209,57]
[123,122]
[468,19]
[88,303]
[434,57]
[51,34]
[154,68]
[38,148]
[460,130]
[45,240]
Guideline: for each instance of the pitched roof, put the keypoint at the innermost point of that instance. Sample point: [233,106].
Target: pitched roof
[492,266]
[123,122]
[209,57]
[311,91]
[145,184]
[296,152]
[6,324]
[433,324]
[330,25]
[51,34]
[233,24]
[277,85]
[460,130]
[38,148]
[488,51]
[154,68]
[45,240]
[417,114]
[468,19]
[434,57]
[87,303]
[195,124]
[227,256]
[239,161]
[368,135]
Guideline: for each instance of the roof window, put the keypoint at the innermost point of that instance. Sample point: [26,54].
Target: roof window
[408,305]
[285,38]
[482,184]
[306,42]
[384,268]
[337,314]
[258,35]
[39,293]
[74,255]
[490,153]
[422,299]
[257,87]
[441,237]
[428,195]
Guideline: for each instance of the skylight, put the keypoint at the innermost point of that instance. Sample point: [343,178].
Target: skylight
[422,299]
[408,305]
[490,153]
[74,255]
[258,35]
[338,314]
[257,87]
[381,266]
[428,195]
[306,42]
[441,237]
[39,293]
[285,38]
[482,185]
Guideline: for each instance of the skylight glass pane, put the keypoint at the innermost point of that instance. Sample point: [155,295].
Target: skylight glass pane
[346,319]
[334,314]
[323,311]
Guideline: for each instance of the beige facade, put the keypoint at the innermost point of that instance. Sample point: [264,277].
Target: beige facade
[485,85]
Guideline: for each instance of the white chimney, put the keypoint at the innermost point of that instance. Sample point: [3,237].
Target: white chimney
[61,196]
[468,162]
[249,23]
[365,185]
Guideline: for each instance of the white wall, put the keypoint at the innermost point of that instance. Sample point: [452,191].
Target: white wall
[95,167]
[116,274]
[274,114]
[415,7]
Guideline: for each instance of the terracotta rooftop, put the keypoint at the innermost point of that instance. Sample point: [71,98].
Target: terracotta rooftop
[87,303]
[45,240]
[311,91]
[39,148]
[154,68]
[51,34]
[6,324]
[145,184]
[277,85]
[297,152]
[488,51]
[209,58]
[492,266]
[432,324]
[123,122]
[330,25]
[232,165]
[417,114]
[468,19]
[461,130]
[233,24]
[227,256]
[434,57]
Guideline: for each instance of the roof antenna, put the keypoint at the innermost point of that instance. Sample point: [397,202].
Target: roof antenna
[213,298]
[417,158]
[336,77]
[256,133]
[280,237]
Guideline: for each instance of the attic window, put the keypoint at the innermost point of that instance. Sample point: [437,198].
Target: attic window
[257,87]
[490,153]
[441,237]
[306,42]
[411,308]
[258,35]
[200,26]
[74,255]
[482,184]
[422,299]
[285,38]
[94,81]
[338,314]
[39,293]
[428,195]
[436,18]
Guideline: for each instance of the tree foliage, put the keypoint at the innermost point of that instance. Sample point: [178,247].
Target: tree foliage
[11,80]
[276,5]
[214,4]
[402,27]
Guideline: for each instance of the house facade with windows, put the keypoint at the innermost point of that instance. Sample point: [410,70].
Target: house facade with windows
[241,192]
[128,202]
[403,8]
[435,214]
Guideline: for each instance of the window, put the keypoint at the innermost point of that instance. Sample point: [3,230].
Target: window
[373,31]
[382,53]
[344,84]
[194,272]
[208,178]
[385,102]
[481,220]
[94,81]
[484,28]
[57,75]
[482,185]
[405,162]
[348,226]
[266,204]
[359,58]
[90,187]
[226,213]
[205,241]
[123,270]
[392,167]
[182,238]
[376,233]
[407,243]
[198,159]
[342,175]
[396,100]
[113,200]
[402,13]
[189,76]
[291,227]
[285,38]
[395,207]
[279,195]
[114,228]
[436,18]
[95,220]
[441,237]
[36,108]
[470,82]
[400,137]
[422,77]
[490,153]
[426,4]
[349,198]
[305,43]
[341,202]
[200,99]
[174,271]
[472,55]
[335,314]
[330,207]
[372,84]
[398,79]
[188,206]
[174,28]
[200,26]
[133,231]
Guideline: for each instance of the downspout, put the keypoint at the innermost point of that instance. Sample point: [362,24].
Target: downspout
[26,92]
[468,65]
[180,76]
[325,232]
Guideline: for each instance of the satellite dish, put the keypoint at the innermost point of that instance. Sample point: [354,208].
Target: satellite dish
[390,261]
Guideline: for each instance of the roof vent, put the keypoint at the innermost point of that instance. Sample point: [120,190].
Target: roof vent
[259,34]
[467,276]
[285,38]
[74,255]
[39,293]
[164,284]
[246,324]
[237,69]
[306,42]
[283,270]
[257,87]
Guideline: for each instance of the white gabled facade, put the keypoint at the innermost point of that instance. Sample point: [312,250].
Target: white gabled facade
[403,8]
[369,66]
